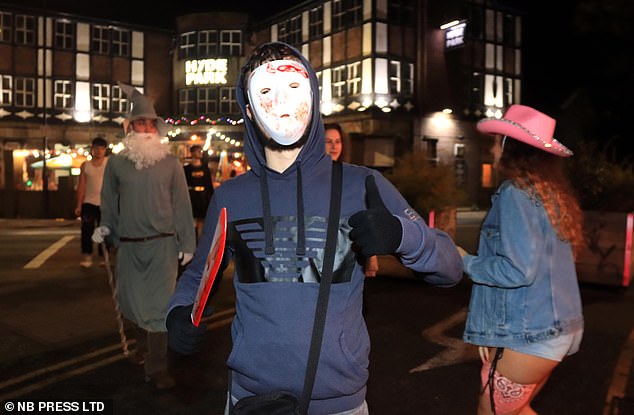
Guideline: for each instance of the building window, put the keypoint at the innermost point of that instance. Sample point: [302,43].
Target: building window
[338,81]
[508,91]
[63,95]
[207,101]
[207,43]
[316,22]
[24,29]
[290,31]
[477,88]
[100,42]
[187,45]
[402,12]
[354,12]
[24,93]
[231,43]
[64,34]
[119,101]
[120,42]
[407,80]
[187,101]
[228,104]
[101,97]
[401,78]
[395,77]
[6,26]
[346,13]
[353,80]
[6,89]
[431,149]
[338,14]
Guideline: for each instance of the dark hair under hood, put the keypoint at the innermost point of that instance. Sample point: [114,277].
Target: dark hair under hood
[312,151]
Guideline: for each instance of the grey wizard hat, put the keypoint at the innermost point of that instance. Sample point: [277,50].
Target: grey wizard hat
[140,106]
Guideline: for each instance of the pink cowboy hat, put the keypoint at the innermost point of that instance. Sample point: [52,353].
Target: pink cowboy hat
[527,125]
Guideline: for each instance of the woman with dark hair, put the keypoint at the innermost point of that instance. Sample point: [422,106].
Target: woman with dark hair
[525,310]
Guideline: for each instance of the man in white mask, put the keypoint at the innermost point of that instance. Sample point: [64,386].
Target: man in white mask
[278,217]
[146,211]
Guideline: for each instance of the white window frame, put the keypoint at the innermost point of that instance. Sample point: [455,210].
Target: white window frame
[187,101]
[119,100]
[64,34]
[187,45]
[316,22]
[6,27]
[338,81]
[6,90]
[353,78]
[62,94]
[207,100]
[207,43]
[100,39]
[227,98]
[120,42]
[101,97]
[407,79]
[24,92]
[231,43]
[395,77]
[24,29]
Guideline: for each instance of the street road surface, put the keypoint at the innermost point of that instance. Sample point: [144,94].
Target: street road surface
[60,342]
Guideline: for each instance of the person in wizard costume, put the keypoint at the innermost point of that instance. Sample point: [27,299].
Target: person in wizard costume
[146,212]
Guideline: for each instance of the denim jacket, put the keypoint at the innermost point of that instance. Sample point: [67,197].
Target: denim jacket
[525,287]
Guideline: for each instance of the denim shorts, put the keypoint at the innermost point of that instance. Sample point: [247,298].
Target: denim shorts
[553,349]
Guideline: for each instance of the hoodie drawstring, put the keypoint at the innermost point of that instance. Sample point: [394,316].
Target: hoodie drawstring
[301,233]
[269,247]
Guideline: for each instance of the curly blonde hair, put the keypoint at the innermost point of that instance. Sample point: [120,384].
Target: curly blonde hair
[542,174]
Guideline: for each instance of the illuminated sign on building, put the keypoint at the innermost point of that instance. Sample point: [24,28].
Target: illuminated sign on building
[206,71]
[454,35]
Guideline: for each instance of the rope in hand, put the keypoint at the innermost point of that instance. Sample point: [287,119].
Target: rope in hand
[113,289]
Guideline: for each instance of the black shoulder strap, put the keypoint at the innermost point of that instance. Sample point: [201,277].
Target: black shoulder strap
[324,286]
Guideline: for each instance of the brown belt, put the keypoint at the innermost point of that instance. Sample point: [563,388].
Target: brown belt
[146,238]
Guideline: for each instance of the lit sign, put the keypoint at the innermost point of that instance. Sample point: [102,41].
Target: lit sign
[206,71]
[454,35]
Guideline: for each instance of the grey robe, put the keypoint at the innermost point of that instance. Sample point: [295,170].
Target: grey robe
[143,203]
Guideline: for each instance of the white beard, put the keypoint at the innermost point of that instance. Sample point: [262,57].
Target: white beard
[144,149]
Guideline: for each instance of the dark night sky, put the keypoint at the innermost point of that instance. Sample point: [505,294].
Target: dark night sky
[570,46]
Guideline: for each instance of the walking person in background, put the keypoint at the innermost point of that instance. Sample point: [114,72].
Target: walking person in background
[278,218]
[200,186]
[525,310]
[334,147]
[147,213]
[89,197]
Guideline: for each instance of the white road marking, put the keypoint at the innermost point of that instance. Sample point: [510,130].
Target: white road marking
[53,378]
[47,253]
[621,373]
[457,351]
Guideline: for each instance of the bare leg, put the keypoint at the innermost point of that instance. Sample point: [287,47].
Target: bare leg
[523,369]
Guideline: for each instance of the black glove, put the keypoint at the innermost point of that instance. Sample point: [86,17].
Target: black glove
[182,336]
[375,231]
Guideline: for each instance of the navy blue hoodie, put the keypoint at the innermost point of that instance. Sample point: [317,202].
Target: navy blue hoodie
[276,237]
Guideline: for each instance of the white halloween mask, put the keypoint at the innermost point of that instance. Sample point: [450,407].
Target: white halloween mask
[281,100]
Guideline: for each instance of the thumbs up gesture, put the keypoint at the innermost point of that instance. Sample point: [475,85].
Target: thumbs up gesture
[375,231]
